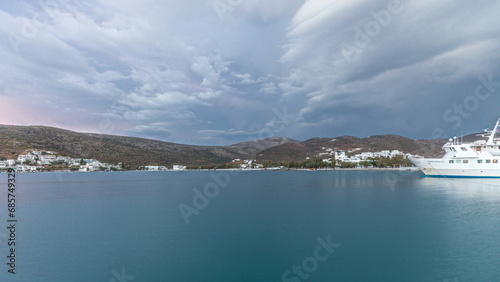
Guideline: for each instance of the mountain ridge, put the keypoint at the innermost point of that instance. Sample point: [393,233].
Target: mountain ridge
[137,151]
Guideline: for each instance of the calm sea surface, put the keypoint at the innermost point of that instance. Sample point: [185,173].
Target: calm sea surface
[253,226]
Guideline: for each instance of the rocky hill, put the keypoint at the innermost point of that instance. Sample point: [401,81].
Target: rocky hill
[251,148]
[314,146]
[15,140]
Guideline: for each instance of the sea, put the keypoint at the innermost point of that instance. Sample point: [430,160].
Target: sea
[249,226]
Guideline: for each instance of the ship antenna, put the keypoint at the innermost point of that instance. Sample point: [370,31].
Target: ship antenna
[492,135]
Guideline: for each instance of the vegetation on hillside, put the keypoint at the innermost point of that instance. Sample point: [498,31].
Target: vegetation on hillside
[136,152]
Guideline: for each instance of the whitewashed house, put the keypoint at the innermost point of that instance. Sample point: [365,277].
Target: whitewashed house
[63,159]
[23,158]
[43,162]
[26,168]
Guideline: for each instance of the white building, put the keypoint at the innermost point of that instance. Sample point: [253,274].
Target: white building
[339,155]
[23,158]
[179,167]
[43,162]
[26,168]
[396,153]
[48,157]
[63,159]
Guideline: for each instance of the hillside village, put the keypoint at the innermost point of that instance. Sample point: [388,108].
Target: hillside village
[34,160]
[330,157]
[349,157]
[38,161]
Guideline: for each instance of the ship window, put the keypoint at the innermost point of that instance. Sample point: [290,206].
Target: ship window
[459,161]
[466,161]
[495,161]
[463,149]
[488,161]
[451,161]
[453,149]
[479,161]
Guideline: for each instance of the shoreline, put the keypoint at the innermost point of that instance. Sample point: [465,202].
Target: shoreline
[238,170]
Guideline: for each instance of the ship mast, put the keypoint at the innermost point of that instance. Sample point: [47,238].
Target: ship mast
[491,140]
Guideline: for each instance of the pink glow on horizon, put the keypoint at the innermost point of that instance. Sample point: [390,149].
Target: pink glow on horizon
[14,112]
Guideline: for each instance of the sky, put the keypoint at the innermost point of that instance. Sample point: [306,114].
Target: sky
[217,72]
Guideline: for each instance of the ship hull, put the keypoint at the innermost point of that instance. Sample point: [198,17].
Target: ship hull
[440,168]
[463,173]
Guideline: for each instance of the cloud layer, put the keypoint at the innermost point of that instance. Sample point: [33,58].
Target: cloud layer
[219,72]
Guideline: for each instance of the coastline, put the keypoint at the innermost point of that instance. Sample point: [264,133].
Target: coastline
[238,170]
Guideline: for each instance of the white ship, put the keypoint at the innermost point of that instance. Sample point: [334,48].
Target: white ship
[477,159]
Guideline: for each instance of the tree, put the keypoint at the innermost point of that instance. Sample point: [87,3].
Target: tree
[365,163]
[348,165]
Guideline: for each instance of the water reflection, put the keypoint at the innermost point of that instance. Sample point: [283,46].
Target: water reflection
[480,188]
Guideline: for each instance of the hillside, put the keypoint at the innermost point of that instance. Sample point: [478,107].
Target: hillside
[314,146]
[14,140]
[251,148]
[131,151]
[107,148]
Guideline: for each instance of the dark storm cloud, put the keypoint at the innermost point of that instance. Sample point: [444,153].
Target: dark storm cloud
[218,72]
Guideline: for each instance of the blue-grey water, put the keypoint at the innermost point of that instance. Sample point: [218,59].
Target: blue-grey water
[259,226]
